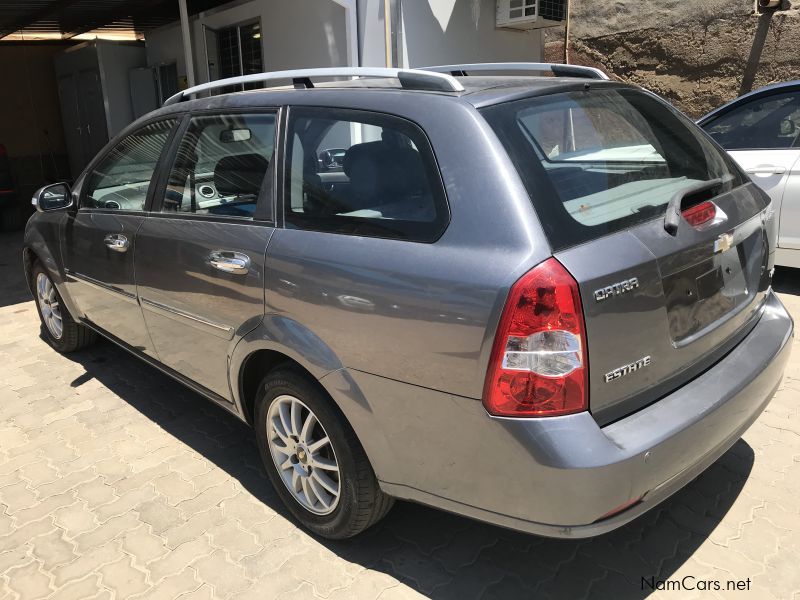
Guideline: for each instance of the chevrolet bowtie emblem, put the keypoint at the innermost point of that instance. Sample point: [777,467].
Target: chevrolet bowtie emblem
[723,243]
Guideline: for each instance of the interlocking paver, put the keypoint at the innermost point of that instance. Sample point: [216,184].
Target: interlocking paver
[226,577]
[52,549]
[29,582]
[80,589]
[178,559]
[193,527]
[159,515]
[175,586]
[123,578]
[208,499]
[236,541]
[106,531]
[95,493]
[129,484]
[87,562]
[127,502]
[143,546]
[18,496]
[204,592]
[43,508]
[22,535]
[174,488]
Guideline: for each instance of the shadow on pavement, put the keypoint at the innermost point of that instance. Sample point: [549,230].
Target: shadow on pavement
[441,555]
[787,281]
[13,289]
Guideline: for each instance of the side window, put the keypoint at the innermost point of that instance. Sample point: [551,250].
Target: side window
[220,165]
[360,173]
[764,123]
[122,178]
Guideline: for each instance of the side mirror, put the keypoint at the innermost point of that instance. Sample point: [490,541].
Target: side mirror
[333,158]
[56,196]
[788,127]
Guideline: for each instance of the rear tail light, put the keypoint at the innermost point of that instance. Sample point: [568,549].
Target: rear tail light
[538,363]
[700,214]
[2,151]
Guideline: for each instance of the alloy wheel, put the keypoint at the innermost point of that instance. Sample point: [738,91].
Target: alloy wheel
[49,305]
[303,454]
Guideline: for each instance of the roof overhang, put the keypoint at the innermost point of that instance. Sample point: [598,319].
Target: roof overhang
[70,19]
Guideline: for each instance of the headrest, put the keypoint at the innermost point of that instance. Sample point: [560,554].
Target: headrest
[381,168]
[240,174]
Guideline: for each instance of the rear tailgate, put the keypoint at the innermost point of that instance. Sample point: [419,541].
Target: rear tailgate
[659,309]
[601,165]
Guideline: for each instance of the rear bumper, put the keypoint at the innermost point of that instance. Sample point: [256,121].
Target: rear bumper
[557,477]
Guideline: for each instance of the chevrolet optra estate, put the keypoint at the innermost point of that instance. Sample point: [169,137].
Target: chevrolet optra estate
[539,301]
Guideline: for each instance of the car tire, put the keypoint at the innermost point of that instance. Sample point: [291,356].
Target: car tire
[360,502]
[70,336]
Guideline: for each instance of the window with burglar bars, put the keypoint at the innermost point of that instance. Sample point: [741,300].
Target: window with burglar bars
[522,8]
[555,10]
[240,53]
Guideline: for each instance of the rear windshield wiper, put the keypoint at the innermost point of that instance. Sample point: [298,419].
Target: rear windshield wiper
[673,216]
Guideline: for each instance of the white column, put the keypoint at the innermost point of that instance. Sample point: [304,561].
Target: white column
[187,42]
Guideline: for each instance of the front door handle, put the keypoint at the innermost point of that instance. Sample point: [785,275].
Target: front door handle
[116,242]
[228,261]
[765,170]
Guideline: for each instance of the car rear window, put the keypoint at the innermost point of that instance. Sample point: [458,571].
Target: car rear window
[597,161]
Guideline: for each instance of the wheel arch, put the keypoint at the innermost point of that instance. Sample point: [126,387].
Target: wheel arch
[257,354]
[275,341]
[29,256]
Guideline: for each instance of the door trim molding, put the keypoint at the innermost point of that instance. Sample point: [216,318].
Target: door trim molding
[218,329]
[97,284]
[225,403]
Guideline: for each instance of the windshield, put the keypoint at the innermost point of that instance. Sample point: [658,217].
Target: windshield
[599,161]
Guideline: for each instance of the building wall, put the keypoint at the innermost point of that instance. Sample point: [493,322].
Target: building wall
[459,31]
[698,55]
[300,33]
[311,33]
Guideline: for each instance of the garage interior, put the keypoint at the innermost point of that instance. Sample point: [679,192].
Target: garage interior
[65,66]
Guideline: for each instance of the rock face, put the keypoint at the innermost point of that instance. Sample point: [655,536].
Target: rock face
[696,54]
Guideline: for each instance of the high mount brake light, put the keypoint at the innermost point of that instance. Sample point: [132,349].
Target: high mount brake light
[538,363]
[700,214]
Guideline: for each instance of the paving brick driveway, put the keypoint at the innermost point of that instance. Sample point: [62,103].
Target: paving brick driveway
[116,482]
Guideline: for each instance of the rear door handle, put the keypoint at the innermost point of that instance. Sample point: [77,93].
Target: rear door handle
[228,261]
[116,242]
[765,170]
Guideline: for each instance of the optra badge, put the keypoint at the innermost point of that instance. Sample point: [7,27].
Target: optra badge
[616,289]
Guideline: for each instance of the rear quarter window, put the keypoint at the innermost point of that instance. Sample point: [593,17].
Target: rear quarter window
[598,161]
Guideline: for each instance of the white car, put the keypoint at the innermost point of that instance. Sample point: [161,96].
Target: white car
[761,131]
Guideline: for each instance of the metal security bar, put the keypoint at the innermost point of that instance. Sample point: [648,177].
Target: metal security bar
[413,79]
[556,69]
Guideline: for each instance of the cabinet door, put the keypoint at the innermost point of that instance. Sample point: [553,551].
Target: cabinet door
[93,112]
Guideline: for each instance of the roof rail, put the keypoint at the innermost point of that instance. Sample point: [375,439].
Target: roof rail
[409,78]
[554,68]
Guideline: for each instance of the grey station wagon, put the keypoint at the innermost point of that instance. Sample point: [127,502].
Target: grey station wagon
[540,301]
